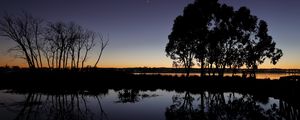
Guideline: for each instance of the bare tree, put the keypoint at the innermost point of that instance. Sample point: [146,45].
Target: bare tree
[88,45]
[72,44]
[25,30]
[104,43]
[58,44]
[56,37]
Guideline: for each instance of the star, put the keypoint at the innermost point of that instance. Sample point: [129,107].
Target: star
[148,1]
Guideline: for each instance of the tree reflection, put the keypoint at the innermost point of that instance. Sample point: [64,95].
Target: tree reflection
[132,96]
[289,111]
[128,96]
[188,105]
[183,109]
[218,106]
[73,106]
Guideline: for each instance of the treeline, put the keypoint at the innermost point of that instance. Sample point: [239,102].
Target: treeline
[216,36]
[51,44]
[142,70]
[196,70]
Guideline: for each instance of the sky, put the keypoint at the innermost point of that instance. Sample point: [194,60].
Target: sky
[138,29]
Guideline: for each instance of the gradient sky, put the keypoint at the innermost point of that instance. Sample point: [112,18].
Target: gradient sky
[139,29]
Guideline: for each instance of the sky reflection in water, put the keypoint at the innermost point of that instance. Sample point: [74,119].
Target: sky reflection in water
[130,104]
[271,76]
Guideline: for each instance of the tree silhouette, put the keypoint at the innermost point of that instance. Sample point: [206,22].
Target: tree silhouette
[25,30]
[102,47]
[180,47]
[261,48]
[188,38]
[219,37]
[60,44]
[69,41]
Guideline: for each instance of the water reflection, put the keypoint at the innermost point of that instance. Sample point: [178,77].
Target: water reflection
[53,106]
[132,96]
[271,76]
[141,104]
[217,106]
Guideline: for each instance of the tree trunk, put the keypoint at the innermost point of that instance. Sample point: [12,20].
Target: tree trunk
[78,56]
[29,62]
[98,58]
[60,57]
[84,59]
[202,68]
[188,71]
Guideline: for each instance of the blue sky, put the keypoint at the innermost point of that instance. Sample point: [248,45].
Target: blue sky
[138,29]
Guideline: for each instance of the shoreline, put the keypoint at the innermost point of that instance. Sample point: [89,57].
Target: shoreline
[287,88]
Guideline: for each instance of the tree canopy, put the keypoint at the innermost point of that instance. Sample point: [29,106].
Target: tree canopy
[214,35]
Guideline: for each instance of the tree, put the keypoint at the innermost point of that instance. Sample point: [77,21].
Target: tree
[188,37]
[61,37]
[219,37]
[261,47]
[60,44]
[180,48]
[102,47]
[88,46]
[71,44]
[25,30]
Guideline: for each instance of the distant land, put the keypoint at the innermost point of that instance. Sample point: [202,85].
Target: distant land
[197,70]
[166,70]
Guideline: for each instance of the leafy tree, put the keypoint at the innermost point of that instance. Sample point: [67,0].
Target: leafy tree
[260,48]
[219,37]
[188,38]
[181,46]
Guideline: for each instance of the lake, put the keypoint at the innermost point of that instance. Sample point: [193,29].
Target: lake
[134,104]
[272,76]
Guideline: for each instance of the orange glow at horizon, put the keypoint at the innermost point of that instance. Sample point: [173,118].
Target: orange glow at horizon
[106,63]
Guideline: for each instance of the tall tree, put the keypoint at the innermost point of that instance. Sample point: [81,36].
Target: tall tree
[103,44]
[25,30]
[88,44]
[58,44]
[261,47]
[188,37]
[72,43]
[219,37]
[181,46]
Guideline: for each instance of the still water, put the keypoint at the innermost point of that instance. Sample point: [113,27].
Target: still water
[131,104]
[271,76]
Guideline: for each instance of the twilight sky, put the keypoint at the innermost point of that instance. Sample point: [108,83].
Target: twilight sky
[139,29]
